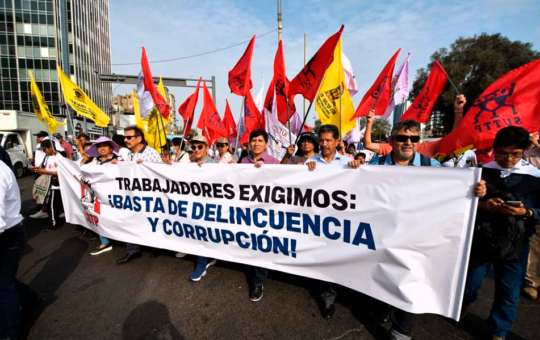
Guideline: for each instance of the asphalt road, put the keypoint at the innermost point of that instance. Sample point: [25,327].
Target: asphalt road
[91,297]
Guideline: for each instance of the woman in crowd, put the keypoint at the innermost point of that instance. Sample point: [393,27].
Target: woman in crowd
[104,152]
[223,156]
[180,156]
[307,147]
[123,151]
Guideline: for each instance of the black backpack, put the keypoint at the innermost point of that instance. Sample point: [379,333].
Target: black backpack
[499,237]
[424,160]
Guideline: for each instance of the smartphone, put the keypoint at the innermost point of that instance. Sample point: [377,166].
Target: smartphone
[514,203]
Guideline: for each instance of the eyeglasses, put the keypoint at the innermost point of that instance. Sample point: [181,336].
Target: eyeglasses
[129,137]
[222,145]
[198,147]
[404,138]
[515,155]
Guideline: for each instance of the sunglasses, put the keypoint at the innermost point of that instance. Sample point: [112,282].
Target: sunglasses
[198,147]
[403,138]
[129,137]
[222,145]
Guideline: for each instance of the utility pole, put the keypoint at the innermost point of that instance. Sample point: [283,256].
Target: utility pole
[279,18]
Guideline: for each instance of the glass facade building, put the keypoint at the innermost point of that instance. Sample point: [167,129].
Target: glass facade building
[31,39]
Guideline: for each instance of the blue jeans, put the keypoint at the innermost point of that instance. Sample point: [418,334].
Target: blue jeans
[13,294]
[509,277]
[104,241]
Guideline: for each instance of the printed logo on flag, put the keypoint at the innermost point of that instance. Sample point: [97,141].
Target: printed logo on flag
[306,72]
[423,104]
[375,94]
[239,80]
[492,103]
[79,95]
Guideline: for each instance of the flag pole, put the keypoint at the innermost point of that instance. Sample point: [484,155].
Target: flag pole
[164,131]
[303,123]
[288,120]
[453,85]
[237,132]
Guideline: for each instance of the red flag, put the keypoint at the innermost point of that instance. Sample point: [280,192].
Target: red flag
[253,119]
[228,121]
[307,82]
[423,104]
[240,76]
[160,102]
[280,87]
[210,122]
[513,99]
[380,92]
[187,109]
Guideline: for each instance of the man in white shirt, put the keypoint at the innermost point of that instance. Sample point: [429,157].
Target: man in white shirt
[13,294]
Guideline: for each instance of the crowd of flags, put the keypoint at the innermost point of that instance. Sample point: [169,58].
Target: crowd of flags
[327,80]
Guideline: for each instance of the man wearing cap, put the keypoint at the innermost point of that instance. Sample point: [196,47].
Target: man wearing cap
[40,155]
[138,152]
[223,156]
[199,145]
[67,147]
[307,147]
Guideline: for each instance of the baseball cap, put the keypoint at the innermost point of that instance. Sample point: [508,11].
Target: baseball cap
[223,140]
[308,135]
[57,135]
[41,134]
[199,139]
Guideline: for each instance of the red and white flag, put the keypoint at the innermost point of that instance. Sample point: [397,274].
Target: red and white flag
[308,81]
[149,86]
[240,76]
[513,99]
[187,109]
[379,95]
[420,109]
[228,121]
[210,122]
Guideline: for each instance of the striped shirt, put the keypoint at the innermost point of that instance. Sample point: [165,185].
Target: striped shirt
[147,154]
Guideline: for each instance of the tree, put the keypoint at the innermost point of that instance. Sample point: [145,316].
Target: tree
[317,126]
[381,129]
[472,64]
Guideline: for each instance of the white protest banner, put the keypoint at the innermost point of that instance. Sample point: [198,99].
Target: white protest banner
[278,136]
[399,234]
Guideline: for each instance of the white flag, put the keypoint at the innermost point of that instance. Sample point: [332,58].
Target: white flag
[350,79]
[278,136]
[146,103]
[400,87]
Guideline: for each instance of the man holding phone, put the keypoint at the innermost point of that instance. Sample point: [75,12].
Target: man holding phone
[506,218]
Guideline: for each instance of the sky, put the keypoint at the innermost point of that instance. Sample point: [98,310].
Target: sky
[374,30]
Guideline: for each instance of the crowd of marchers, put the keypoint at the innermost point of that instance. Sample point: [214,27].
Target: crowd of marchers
[506,236]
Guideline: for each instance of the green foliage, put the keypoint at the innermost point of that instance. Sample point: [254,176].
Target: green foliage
[317,126]
[472,64]
[381,129]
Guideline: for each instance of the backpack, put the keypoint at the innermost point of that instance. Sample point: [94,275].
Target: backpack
[499,237]
[424,160]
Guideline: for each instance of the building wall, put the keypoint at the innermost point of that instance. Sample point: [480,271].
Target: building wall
[30,39]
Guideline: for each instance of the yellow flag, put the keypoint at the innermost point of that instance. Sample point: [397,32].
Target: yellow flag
[148,125]
[79,101]
[161,90]
[332,91]
[40,107]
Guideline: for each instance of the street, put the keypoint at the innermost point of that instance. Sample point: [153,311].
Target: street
[91,297]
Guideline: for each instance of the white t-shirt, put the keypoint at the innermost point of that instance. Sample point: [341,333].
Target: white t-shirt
[51,164]
[10,199]
[462,161]
[123,153]
[184,158]
[40,155]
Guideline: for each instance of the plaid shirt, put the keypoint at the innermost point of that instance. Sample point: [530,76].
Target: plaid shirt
[147,154]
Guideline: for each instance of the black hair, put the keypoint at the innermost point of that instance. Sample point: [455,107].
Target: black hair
[315,145]
[45,144]
[137,132]
[407,125]
[329,128]
[360,154]
[87,144]
[257,133]
[119,140]
[177,141]
[84,135]
[512,136]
